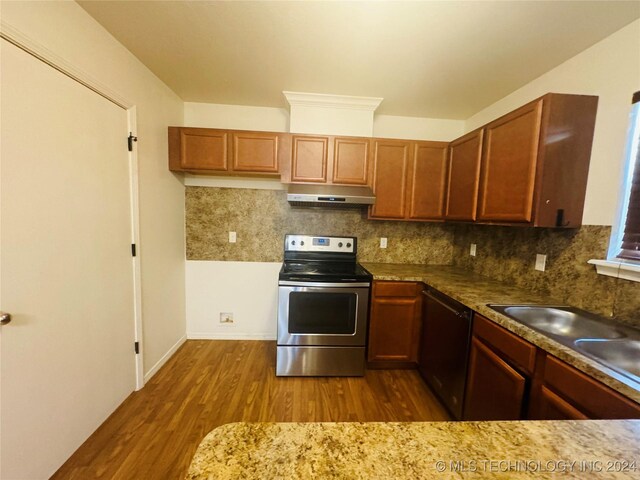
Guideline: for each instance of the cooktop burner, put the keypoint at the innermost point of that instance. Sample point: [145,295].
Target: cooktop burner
[324,270]
[322,259]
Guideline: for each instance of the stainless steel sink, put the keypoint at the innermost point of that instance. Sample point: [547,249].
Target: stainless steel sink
[621,355]
[566,322]
[605,341]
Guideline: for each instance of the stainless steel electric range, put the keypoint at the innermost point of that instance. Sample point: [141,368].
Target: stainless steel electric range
[323,306]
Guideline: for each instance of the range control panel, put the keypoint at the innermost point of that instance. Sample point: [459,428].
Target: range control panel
[306,243]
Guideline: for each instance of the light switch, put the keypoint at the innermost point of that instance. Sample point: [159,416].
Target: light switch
[472,250]
[541,262]
[383,242]
[232,237]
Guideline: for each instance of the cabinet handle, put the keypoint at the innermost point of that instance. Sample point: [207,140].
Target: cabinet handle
[458,313]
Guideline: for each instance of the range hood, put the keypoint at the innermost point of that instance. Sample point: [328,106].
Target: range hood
[330,196]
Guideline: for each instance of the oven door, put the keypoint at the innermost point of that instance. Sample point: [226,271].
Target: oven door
[322,313]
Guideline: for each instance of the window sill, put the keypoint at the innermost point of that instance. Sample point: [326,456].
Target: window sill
[626,271]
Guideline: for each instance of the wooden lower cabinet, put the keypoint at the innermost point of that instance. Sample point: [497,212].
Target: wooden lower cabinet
[511,379]
[567,393]
[495,390]
[394,324]
[554,407]
[501,366]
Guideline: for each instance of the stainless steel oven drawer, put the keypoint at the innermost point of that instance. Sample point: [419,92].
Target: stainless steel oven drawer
[320,361]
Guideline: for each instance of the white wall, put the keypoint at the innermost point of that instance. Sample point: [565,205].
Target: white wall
[417,128]
[70,33]
[249,290]
[209,115]
[236,117]
[611,70]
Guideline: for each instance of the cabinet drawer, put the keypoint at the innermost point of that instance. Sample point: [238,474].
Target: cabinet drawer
[519,351]
[395,289]
[589,395]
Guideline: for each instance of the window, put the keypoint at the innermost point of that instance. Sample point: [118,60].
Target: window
[625,243]
[623,260]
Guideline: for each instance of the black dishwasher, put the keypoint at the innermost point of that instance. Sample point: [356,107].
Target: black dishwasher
[444,348]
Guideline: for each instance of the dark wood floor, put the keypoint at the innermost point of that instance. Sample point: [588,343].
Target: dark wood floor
[155,432]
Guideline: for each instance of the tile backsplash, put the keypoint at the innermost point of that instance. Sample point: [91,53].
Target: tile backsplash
[508,254]
[261,219]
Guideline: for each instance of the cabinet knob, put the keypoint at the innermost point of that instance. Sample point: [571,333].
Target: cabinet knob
[5,318]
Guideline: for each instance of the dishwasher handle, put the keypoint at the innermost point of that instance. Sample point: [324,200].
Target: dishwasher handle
[462,312]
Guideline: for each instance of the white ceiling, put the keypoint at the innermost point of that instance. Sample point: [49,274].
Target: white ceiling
[431,59]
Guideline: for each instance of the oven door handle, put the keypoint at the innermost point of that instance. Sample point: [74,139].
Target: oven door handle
[323,284]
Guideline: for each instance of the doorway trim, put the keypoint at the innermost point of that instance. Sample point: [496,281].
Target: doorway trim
[42,53]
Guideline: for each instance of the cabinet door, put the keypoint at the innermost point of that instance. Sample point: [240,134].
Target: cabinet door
[495,391]
[394,329]
[390,167]
[203,149]
[553,407]
[255,152]
[309,159]
[509,165]
[590,396]
[463,177]
[427,181]
[351,160]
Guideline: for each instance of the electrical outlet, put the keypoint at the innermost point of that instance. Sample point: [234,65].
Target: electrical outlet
[472,250]
[226,318]
[232,237]
[541,262]
[383,242]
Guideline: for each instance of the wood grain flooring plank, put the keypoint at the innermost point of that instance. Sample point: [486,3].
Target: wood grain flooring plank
[207,383]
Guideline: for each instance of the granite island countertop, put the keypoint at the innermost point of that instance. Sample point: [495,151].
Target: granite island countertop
[600,449]
[476,291]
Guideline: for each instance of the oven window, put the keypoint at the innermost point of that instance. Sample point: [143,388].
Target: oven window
[322,313]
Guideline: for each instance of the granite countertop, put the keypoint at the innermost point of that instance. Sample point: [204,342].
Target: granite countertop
[476,292]
[522,449]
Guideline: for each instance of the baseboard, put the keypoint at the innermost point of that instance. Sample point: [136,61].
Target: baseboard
[163,360]
[229,336]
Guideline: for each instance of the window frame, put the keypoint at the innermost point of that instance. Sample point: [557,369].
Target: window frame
[631,162]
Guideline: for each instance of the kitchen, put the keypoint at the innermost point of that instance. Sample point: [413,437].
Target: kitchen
[256,209]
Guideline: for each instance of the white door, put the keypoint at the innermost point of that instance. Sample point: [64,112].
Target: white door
[67,357]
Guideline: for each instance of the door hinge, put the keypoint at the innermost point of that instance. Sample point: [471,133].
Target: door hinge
[136,347]
[133,249]
[130,139]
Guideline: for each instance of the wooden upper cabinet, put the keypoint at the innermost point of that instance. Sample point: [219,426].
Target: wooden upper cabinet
[536,161]
[198,149]
[351,160]
[465,155]
[235,152]
[255,152]
[409,179]
[427,179]
[309,158]
[390,166]
[509,165]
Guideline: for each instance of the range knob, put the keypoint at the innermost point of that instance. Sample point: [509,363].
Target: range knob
[340,244]
[302,243]
[293,242]
[348,245]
